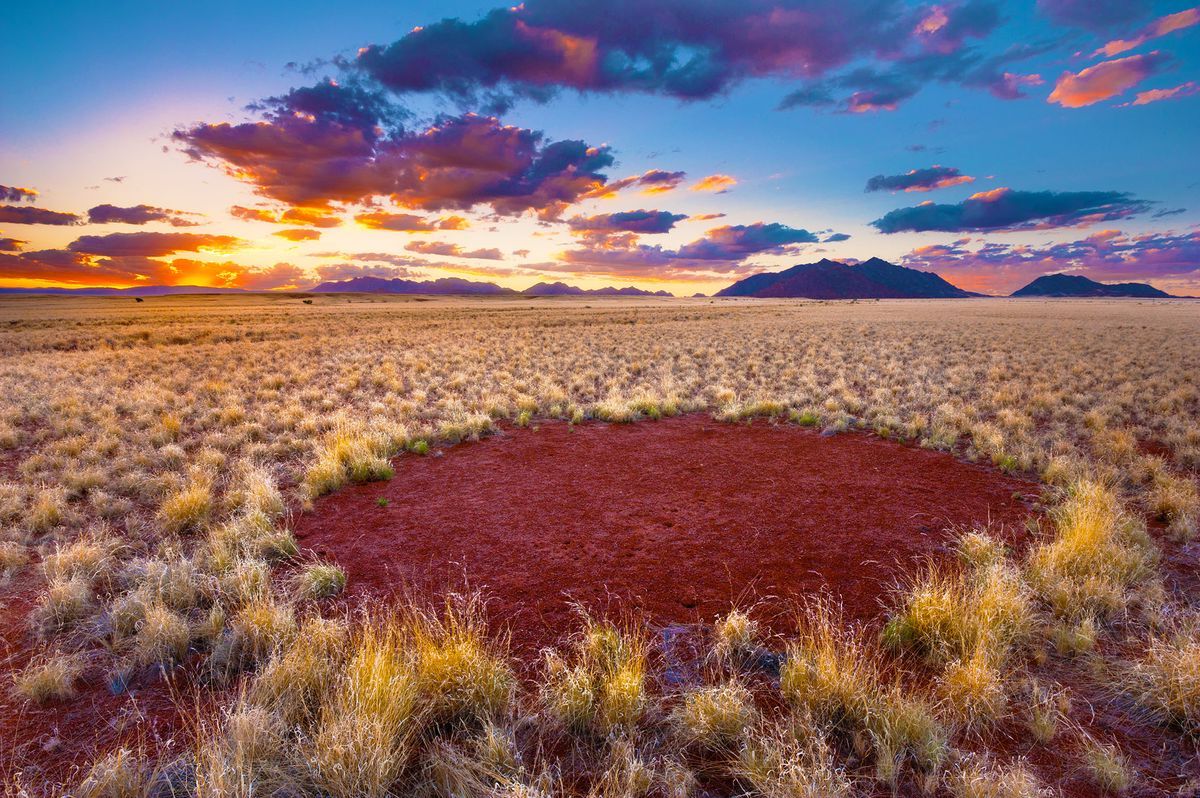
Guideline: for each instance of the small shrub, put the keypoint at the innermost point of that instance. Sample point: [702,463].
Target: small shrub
[320,580]
[1106,765]
[50,678]
[715,718]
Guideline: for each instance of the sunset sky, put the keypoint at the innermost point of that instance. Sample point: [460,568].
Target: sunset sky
[677,144]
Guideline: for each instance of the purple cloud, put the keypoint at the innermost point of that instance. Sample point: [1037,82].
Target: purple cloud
[17,194]
[152,245]
[925,179]
[312,155]
[639,221]
[1005,209]
[25,214]
[137,214]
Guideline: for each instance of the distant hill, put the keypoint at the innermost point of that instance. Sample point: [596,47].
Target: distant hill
[830,279]
[562,289]
[397,285]
[1076,285]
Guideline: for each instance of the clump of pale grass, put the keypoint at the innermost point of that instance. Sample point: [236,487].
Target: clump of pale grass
[715,718]
[319,580]
[122,773]
[366,731]
[1096,561]
[949,615]
[831,670]
[63,604]
[162,636]
[296,680]
[735,637]
[462,675]
[791,761]
[13,557]
[188,507]
[1106,765]
[256,631]
[243,756]
[600,685]
[980,777]
[50,677]
[1165,680]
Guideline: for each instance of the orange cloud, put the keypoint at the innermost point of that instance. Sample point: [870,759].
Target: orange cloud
[1155,95]
[409,222]
[298,234]
[716,183]
[1159,27]
[1105,80]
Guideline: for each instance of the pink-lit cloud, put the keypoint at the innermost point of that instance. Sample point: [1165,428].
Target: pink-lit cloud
[1159,27]
[1106,79]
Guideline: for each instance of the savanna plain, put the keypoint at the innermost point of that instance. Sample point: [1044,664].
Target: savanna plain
[177,617]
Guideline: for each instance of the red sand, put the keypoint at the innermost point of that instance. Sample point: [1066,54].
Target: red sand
[676,519]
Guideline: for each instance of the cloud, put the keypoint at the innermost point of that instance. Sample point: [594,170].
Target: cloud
[298,234]
[738,241]
[1004,209]
[11,244]
[279,276]
[137,214]
[683,49]
[1105,255]
[926,179]
[153,245]
[639,221]
[1096,15]
[17,194]
[25,214]
[452,250]
[653,181]
[718,184]
[254,214]
[69,267]
[721,251]
[1106,79]
[332,272]
[833,238]
[313,156]
[1157,95]
[312,217]
[408,222]
[1159,27]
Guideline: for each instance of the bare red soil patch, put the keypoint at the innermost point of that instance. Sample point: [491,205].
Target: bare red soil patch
[676,520]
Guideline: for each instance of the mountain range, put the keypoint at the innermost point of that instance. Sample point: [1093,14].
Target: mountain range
[831,279]
[1076,285]
[825,279]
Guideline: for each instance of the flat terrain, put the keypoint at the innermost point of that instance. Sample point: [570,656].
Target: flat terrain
[213,510]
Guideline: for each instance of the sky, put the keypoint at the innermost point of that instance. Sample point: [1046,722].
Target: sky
[666,144]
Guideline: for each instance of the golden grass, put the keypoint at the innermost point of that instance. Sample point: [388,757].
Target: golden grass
[1098,558]
[366,732]
[178,421]
[1166,679]
[49,678]
[831,670]
[716,718]
[947,614]
[600,685]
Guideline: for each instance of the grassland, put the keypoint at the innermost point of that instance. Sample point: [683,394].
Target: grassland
[151,455]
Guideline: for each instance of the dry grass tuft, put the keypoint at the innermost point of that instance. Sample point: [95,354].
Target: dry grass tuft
[49,678]
[601,685]
[1166,679]
[1097,560]
[715,719]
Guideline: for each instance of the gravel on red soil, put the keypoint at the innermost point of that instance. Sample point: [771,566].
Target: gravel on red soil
[675,520]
